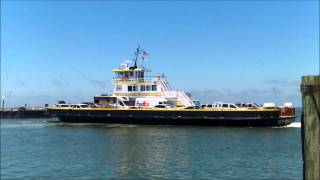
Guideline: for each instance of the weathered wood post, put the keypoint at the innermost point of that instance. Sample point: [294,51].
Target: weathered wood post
[310,131]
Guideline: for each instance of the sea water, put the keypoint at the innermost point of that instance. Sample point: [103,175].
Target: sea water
[42,149]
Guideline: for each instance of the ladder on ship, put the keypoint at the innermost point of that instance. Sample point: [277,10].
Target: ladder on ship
[185,99]
[165,85]
[181,95]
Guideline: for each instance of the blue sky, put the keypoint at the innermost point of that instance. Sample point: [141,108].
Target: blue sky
[218,51]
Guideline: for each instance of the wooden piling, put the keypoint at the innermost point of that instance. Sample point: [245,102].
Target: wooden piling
[310,131]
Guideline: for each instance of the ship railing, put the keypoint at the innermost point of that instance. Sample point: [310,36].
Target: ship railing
[134,80]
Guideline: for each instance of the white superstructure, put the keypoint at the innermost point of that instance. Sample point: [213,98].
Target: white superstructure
[134,82]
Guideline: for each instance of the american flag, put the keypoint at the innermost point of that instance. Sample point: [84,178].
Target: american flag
[145,53]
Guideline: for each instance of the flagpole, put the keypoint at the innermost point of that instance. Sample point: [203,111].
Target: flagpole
[142,61]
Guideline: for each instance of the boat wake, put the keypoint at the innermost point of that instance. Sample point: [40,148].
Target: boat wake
[22,125]
[294,125]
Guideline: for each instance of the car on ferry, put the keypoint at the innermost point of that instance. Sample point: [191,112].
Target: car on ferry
[79,105]
[220,105]
[64,105]
[248,105]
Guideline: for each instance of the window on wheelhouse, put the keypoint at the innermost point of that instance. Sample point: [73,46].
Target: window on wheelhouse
[154,87]
[129,88]
[139,74]
[120,74]
[143,88]
[134,88]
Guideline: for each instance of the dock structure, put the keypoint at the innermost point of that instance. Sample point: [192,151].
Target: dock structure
[23,113]
[310,131]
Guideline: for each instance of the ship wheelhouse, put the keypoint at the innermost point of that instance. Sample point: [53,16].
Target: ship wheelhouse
[135,82]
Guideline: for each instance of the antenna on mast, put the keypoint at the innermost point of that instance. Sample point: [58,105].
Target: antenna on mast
[136,58]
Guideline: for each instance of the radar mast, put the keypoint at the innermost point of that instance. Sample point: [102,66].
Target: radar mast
[136,58]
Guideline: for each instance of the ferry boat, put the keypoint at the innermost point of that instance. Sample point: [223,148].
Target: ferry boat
[139,98]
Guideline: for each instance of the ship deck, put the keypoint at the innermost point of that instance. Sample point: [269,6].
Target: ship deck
[173,116]
[165,109]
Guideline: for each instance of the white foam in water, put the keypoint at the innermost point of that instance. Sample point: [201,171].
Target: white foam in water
[23,125]
[294,125]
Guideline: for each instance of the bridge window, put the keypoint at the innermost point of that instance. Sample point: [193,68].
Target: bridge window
[148,87]
[120,74]
[143,87]
[154,87]
[134,88]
